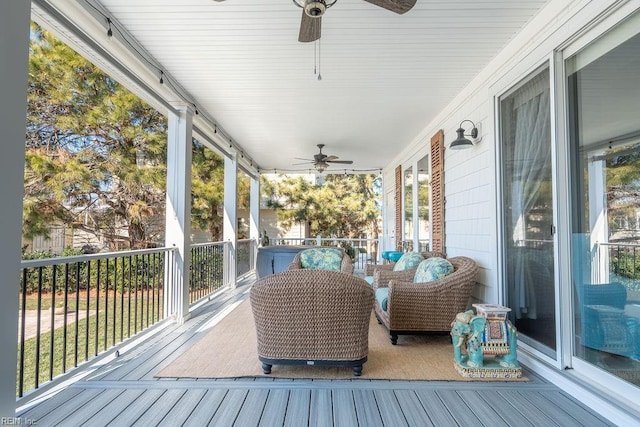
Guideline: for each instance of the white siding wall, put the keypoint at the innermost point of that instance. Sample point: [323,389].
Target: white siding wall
[471,189]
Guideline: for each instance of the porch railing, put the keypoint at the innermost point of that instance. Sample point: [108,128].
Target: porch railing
[73,308]
[207,269]
[623,262]
[361,251]
[245,250]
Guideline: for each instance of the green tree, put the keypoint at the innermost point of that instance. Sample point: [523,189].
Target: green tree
[96,154]
[207,189]
[345,206]
[623,188]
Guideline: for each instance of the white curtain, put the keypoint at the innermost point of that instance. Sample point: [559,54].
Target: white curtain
[531,168]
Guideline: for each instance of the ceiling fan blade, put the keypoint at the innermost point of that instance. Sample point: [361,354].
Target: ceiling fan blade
[345,162]
[330,158]
[303,163]
[308,160]
[397,6]
[310,28]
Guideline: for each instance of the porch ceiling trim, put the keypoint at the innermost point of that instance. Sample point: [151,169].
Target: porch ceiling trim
[140,79]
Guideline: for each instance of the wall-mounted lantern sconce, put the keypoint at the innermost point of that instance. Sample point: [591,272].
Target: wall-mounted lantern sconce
[461,142]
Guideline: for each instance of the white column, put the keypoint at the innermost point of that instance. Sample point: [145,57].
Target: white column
[254,217]
[178,211]
[230,225]
[416,211]
[14,51]
[598,221]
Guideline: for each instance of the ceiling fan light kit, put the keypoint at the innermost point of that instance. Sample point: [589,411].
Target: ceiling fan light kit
[314,8]
[321,166]
[321,161]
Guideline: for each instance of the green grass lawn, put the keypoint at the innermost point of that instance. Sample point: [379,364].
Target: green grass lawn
[90,336]
[97,332]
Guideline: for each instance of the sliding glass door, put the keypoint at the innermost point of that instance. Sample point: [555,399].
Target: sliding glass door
[527,200]
[603,82]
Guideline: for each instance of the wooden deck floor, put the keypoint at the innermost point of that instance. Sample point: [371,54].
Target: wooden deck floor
[122,391]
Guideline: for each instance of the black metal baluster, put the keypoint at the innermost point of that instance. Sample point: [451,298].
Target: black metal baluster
[25,277]
[129,299]
[135,310]
[192,273]
[106,304]
[115,299]
[195,272]
[158,283]
[52,319]
[209,268]
[97,338]
[122,301]
[88,302]
[152,261]
[147,272]
[38,329]
[77,325]
[64,317]
[633,276]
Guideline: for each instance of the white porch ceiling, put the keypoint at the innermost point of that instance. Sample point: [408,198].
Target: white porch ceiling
[384,76]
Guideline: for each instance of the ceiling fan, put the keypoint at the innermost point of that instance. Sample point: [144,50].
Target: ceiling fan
[321,161]
[312,11]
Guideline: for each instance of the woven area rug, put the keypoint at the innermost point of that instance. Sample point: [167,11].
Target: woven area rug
[228,350]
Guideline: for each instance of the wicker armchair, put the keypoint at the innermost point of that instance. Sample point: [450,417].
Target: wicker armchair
[346,266]
[427,307]
[312,317]
[386,272]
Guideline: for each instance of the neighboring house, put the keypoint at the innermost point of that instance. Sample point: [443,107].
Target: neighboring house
[59,238]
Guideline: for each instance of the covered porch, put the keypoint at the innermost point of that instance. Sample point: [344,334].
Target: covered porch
[123,390]
[390,95]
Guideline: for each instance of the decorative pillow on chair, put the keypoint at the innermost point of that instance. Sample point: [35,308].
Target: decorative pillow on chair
[432,269]
[407,261]
[321,259]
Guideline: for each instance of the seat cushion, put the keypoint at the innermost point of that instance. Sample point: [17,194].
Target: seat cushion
[407,261]
[321,259]
[369,280]
[382,297]
[432,269]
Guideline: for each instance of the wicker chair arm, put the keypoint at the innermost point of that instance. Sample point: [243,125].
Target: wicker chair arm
[369,269]
[381,278]
[431,254]
[346,266]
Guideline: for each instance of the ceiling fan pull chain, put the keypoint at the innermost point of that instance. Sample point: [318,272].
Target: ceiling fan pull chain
[319,75]
[315,58]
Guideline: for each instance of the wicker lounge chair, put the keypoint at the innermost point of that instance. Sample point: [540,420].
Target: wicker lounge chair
[312,317]
[427,307]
